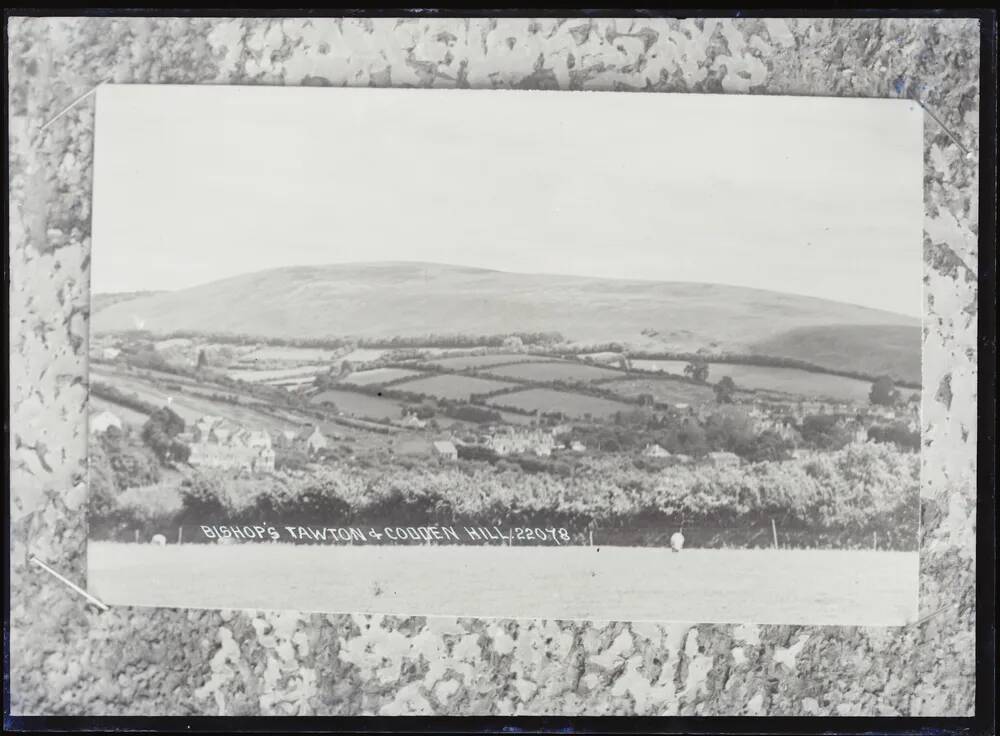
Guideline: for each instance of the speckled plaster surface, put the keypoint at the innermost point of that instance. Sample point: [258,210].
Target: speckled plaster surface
[67,658]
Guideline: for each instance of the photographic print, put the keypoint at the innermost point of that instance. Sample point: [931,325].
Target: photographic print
[574,355]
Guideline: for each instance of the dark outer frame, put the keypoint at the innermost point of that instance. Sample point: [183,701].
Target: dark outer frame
[985,509]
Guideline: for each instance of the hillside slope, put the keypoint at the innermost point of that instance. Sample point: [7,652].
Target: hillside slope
[873,349]
[414,299]
[100,301]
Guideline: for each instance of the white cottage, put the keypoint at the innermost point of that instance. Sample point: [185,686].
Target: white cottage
[104,420]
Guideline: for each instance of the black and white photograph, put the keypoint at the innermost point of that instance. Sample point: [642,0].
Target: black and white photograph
[519,354]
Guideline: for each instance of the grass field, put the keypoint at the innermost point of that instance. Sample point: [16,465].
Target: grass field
[831,587]
[191,407]
[267,353]
[511,418]
[871,349]
[665,390]
[359,405]
[269,375]
[767,378]
[126,414]
[451,386]
[549,371]
[461,362]
[378,375]
[571,404]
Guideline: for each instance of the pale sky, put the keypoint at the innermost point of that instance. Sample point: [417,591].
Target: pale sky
[808,195]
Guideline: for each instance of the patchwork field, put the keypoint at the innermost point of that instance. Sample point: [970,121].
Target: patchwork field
[511,418]
[461,362]
[360,405]
[191,407]
[665,390]
[268,353]
[452,386]
[554,371]
[127,415]
[274,375]
[377,376]
[363,355]
[549,400]
[834,587]
[873,349]
[767,378]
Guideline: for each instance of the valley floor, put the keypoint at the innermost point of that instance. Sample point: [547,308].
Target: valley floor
[832,587]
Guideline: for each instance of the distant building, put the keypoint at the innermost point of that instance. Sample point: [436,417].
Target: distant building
[110,353]
[723,459]
[517,441]
[173,343]
[312,439]
[577,446]
[104,420]
[655,450]
[782,426]
[411,421]
[219,443]
[446,449]
[859,433]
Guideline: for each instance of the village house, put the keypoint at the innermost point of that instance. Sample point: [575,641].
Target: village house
[312,439]
[859,432]
[411,421]
[446,449]
[723,459]
[577,446]
[654,450]
[783,426]
[104,420]
[219,443]
[511,441]
[884,412]
[811,408]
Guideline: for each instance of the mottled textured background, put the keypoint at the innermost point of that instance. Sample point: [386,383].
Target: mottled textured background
[67,658]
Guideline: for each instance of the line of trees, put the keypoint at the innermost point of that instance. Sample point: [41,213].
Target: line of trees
[430,340]
[766,361]
[117,396]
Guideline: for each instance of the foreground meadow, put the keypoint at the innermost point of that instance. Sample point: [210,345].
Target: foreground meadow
[831,587]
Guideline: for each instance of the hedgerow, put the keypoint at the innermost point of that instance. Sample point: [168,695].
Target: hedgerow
[838,499]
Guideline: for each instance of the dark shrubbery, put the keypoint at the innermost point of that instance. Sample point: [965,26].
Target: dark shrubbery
[114,395]
[897,433]
[470,413]
[824,432]
[160,432]
[833,499]
[130,463]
